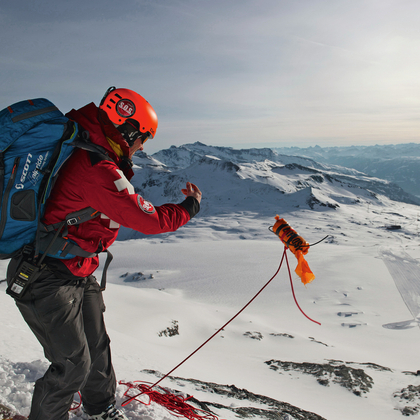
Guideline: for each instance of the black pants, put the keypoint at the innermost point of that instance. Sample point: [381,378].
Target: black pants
[66,315]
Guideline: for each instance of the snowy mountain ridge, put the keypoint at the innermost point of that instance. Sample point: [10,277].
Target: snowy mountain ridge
[236,179]
[396,163]
[182,157]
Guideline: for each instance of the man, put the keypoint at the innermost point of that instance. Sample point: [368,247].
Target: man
[64,306]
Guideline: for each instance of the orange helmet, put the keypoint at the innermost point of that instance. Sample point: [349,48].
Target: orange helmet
[125,104]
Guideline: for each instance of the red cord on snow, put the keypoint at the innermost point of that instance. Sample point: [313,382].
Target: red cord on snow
[176,404]
[217,332]
[293,291]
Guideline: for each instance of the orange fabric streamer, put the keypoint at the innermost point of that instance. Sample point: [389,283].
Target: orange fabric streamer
[303,270]
[297,245]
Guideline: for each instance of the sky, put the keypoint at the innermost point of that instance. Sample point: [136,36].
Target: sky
[237,73]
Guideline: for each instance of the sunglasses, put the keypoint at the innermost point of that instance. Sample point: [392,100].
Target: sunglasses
[131,132]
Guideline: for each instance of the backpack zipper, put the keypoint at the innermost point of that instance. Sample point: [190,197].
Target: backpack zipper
[5,198]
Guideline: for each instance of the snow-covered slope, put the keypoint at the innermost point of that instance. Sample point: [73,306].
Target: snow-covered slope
[271,362]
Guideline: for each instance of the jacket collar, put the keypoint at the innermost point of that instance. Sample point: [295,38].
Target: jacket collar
[99,126]
[95,120]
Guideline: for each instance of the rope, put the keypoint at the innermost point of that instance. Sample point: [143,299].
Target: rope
[293,292]
[270,228]
[175,404]
[217,332]
[76,404]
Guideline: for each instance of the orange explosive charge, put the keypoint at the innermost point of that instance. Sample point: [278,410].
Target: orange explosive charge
[297,245]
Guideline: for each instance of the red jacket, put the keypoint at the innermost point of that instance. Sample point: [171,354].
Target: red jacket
[86,181]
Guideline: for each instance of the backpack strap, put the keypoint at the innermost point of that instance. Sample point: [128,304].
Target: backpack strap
[53,240]
[108,260]
[82,142]
[72,219]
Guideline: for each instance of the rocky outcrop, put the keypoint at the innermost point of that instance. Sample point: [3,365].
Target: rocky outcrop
[355,380]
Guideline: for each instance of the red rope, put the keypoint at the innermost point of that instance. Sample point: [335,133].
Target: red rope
[293,292]
[217,332]
[75,405]
[175,404]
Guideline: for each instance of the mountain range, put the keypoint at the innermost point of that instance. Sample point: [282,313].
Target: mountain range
[396,163]
[259,180]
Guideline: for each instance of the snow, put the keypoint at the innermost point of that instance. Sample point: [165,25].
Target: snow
[203,274]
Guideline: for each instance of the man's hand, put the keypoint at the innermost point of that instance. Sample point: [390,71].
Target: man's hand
[192,191]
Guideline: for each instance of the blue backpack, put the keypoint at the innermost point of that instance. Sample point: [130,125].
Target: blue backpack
[35,141]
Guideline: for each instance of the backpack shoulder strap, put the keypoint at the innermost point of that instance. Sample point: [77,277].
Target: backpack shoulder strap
[82,142]
[51,239]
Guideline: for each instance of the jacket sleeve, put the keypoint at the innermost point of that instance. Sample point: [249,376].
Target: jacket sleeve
[115,197]
[192,205]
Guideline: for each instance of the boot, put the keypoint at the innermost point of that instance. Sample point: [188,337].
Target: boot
[111,413]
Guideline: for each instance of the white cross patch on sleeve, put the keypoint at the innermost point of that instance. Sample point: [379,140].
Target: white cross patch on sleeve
[112,224]
[123,183]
